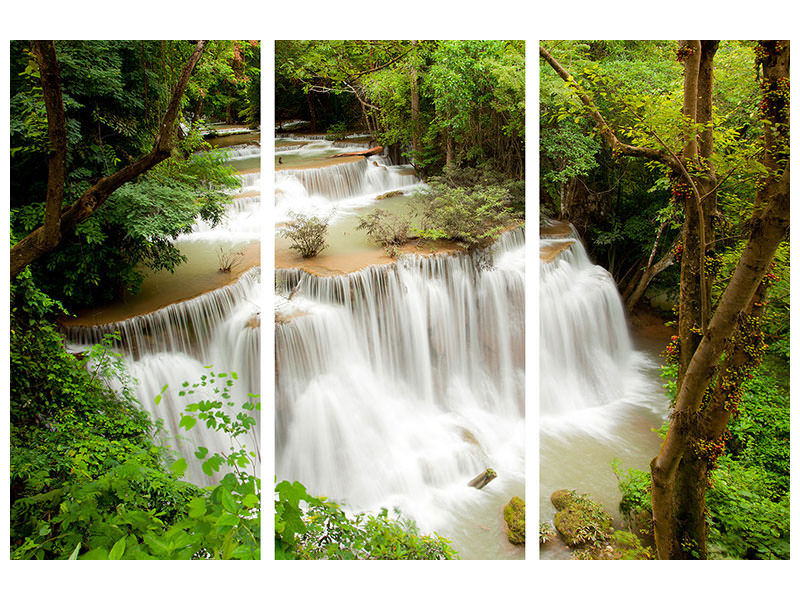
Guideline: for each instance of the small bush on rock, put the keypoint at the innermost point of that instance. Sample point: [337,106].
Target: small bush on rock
[307,234]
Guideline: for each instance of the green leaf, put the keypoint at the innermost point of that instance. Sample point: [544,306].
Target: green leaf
[201,452]
[227,501]
[74,555]
[227,520]
[178,468]
[187,422]
[117,550]
[158,547]
[197,508]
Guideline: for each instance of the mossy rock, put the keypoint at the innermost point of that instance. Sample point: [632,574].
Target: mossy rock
[514,514]
[579,520]
[561,499]
[622,545]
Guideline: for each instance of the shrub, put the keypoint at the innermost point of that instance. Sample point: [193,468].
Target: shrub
[744,520]
[473,215]
[324,531]
[121,501]
[229,259]
[384,228]
[337,131]
[307,234]
[634,485]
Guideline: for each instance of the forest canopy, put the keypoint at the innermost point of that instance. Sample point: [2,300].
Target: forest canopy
[435,103]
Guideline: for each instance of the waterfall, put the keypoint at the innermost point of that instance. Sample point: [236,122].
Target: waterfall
[590,371]
[584,343]
[342,187]
[361,177]
[181,343]
[397,384]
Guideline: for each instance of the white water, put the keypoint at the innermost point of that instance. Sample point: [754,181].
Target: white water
[398,384]
[177,344]
[599,397]
[335,191]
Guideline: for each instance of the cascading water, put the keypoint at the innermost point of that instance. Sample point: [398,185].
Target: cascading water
[397,384]
[334,190]
[177,343]
[599,398]
[584,340]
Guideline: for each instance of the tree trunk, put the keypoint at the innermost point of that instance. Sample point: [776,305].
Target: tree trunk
[45,53]
[449,152]
[644,280]
[415,123]
[677,511]
[312,112]
[691,479]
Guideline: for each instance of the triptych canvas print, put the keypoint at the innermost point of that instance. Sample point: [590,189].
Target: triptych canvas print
[372,363]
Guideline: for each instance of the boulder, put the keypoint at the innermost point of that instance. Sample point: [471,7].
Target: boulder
[514,514]
[579,520]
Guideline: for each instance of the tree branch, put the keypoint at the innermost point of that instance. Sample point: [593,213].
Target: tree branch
[605,131]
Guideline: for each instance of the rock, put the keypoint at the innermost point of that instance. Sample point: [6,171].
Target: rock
[389,195]
[561,499]
[579,520]
[514,514]
[481,480]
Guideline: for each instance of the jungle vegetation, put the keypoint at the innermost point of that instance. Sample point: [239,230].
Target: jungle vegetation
[672,160]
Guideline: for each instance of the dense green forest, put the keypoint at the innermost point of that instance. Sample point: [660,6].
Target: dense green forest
[108,166]
[436,104]
[671,159]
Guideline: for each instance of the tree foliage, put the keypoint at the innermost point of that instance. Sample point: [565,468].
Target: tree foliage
[446,102]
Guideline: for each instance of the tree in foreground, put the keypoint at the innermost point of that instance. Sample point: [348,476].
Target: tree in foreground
[59,219]
[719,344]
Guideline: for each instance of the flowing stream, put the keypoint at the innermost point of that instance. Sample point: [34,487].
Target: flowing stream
[398,383]
[181,324]
[600,397]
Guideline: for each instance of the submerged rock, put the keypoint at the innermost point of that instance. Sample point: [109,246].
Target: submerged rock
[514,514]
